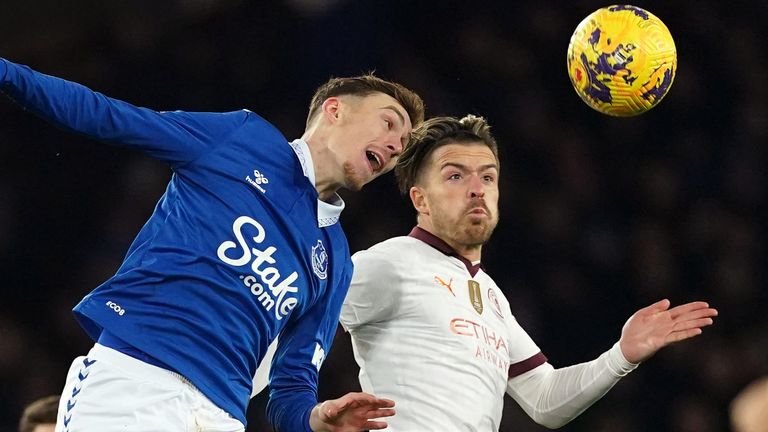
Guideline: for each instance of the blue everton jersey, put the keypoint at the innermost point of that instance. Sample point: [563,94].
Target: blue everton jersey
[234,254]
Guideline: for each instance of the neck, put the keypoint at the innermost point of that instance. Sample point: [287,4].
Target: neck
[472,252]
[325,184]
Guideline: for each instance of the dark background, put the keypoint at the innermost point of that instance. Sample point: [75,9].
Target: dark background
[600,216]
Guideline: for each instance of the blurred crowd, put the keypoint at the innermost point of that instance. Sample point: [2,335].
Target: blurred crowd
[599,216]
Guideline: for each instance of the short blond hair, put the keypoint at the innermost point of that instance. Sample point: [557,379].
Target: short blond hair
[365,85]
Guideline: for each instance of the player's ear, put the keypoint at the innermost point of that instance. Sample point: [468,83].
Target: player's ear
[419,200]
[331,108]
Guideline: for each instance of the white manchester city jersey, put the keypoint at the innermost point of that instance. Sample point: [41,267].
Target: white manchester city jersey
[435,334]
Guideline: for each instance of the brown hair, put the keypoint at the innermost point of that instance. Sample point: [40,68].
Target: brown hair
[40,412]
[437,132]
[365,85]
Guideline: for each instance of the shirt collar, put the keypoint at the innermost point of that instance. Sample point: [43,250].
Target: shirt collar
[328,213]
[439,244]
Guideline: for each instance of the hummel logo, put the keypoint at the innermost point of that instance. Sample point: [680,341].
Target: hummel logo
[257,180]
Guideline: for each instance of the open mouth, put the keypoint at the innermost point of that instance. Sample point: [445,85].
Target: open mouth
[374,159]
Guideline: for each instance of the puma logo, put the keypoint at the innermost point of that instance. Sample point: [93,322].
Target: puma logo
[447,285]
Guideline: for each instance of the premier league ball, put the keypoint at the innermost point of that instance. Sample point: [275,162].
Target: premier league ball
[622,60]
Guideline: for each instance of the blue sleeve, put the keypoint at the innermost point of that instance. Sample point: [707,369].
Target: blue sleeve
[176,137]
[300,353]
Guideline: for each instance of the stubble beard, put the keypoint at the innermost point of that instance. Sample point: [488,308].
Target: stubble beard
[352,180]
[477,233]
[467,232]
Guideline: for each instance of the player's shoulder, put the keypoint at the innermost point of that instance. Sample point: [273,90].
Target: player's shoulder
[387,260]
[264,126]
[401,248]
[234,126]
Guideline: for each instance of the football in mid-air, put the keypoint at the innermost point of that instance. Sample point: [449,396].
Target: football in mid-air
[622,60]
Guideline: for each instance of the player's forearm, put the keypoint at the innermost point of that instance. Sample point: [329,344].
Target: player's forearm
[76,108]
[553,397]
[291,411]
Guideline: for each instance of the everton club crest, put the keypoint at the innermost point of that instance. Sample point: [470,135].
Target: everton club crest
[320,260]
[475,297]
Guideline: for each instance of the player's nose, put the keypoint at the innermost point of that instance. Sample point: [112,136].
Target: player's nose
[476,187]
[395,146]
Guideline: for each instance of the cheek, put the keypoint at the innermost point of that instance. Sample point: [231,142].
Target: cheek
[432,202]
[492,197]
[495,202]
[447,208]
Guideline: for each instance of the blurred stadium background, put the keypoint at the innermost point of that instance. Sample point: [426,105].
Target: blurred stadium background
[600,216]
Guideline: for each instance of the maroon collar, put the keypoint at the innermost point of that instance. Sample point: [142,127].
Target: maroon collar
[438,243]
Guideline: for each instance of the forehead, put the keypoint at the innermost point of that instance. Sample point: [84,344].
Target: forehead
[384,102]
[471,154]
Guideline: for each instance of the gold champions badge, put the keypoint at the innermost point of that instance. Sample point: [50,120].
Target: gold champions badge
[474,296]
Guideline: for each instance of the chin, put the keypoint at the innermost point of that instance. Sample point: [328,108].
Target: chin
[355,187]
[353,181]
[479,233]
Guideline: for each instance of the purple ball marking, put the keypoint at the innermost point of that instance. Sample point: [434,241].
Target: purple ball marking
[594,38]
[636,10]
[657,92]
[596,89]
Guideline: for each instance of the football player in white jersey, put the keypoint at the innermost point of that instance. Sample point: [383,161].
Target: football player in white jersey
[432,331]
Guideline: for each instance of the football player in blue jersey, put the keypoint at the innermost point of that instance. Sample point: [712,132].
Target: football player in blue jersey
[243,246]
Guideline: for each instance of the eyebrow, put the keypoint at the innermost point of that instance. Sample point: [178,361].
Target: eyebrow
[397,111]
[465,168]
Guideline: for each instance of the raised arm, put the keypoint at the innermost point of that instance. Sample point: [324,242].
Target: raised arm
[656,326]
[553,397]
[176,137]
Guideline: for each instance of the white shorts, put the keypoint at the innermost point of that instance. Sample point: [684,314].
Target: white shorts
[108,391]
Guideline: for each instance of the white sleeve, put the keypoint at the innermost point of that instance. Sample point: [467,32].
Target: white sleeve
[372,292]
[521,347]
[553,397]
